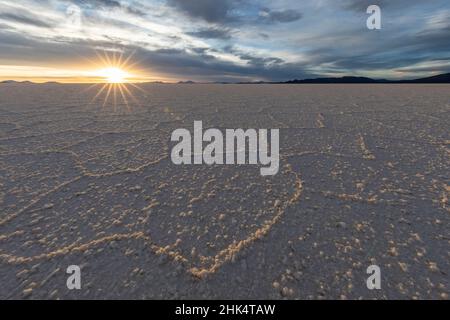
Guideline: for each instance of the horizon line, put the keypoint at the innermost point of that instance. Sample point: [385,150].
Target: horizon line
[290,81]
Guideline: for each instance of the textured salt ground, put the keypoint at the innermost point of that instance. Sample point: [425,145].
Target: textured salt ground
[364,179]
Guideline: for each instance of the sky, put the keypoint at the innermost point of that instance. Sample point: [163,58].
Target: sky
[221,40]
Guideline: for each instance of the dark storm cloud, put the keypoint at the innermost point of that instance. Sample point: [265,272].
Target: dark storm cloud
[261,62]
[211,11]
[211,33]
[24,19]
[282,16]
[223,12]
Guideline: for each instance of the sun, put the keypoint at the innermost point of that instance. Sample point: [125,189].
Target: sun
[113,75]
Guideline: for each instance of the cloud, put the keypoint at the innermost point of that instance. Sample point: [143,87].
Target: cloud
[260,61]
[362,5]
[225,40]
[196,63]
[226,12]
[208,10]
[254,60]
[395,51]
[24,19]
[181,63]
[211,33]
[441,66]
[98,3]
[282,16]
[109,4]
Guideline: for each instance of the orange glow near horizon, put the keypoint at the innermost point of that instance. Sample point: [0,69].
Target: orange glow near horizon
[107,67]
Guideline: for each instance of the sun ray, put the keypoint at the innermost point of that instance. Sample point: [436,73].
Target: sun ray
[127,60]
[119,62]
[114,86]
[99,92]
[108,59]
[116,89]
[124,97]
[107,95]
[114,57]
[90,87]
[139,88]
[132,95]
[101,58]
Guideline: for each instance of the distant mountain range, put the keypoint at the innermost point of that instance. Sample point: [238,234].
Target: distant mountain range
[27,82]
[441,78]
[186,82]
[13,81]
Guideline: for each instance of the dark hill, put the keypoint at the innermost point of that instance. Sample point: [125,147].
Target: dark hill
[442,78]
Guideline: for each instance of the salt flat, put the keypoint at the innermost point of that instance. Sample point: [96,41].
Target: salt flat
[364,179]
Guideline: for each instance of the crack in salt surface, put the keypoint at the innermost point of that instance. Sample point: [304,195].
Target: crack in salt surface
[213,262]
